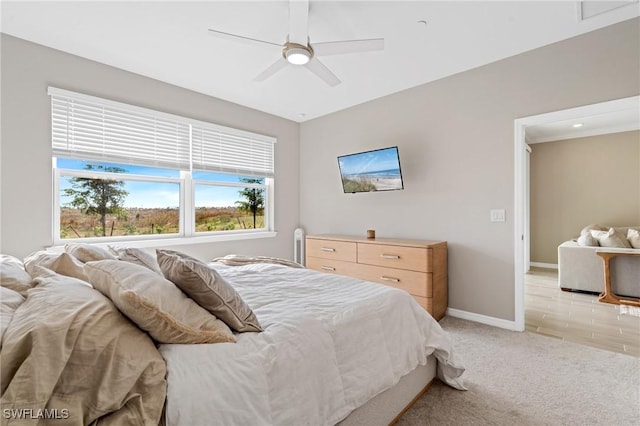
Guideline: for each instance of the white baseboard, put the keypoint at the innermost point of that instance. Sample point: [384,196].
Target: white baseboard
[483,319]
[544,265]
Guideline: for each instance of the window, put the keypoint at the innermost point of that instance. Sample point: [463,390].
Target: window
[123,172]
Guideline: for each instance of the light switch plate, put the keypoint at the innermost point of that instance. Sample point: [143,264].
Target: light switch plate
[497,215]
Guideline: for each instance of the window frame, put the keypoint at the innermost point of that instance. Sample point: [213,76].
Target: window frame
[187,184]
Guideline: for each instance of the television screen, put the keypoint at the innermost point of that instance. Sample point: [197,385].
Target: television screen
[377,170]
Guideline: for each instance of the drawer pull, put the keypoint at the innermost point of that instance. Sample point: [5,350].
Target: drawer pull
[395,280]
[390,256]
[327,249]
[327,268]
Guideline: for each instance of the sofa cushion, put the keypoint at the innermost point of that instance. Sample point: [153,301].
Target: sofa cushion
[611,238]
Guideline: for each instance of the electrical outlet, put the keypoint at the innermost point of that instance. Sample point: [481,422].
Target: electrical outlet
[497,215]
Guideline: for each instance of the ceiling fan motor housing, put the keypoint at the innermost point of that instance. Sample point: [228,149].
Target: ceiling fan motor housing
[297,54]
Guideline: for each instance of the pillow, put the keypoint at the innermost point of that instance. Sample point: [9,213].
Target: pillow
[611,238]
[587,229]
[208,289]
[62,263]
[155,304]
[138,256]
[9,302]
[87,252]
[13,275]
[587,240]
[633,236]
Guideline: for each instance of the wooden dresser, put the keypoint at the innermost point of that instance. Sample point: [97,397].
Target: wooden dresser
[419,267]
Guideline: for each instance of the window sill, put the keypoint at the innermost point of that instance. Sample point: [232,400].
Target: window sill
[168,242]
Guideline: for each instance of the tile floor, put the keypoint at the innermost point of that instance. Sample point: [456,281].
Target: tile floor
[577,317]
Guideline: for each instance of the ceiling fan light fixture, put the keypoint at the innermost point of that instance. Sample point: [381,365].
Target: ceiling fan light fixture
[297,54]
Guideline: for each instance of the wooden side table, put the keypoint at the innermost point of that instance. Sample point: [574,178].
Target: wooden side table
[608,296]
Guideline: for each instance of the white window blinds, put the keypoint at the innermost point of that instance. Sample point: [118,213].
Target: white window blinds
[92,128]
[217,149]
[86,127]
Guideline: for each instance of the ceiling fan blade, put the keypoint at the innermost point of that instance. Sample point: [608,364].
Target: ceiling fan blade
[299,21]
[348,46]
[235,37]
[271,70]
[319,69]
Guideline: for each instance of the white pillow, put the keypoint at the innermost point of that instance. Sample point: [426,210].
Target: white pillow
[138,256]
[633,236]
[87,252]
[587,240]
[13,275]
[611,238]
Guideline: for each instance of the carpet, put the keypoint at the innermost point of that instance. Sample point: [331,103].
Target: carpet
[528,379]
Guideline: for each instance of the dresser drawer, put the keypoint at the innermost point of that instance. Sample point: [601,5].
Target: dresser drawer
[426,303]
[329,249]
[411,258]
[332,266]
[415,283]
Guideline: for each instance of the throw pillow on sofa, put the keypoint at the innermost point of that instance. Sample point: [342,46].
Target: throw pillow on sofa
[587,240]
[587,229]
[633,236]
[611,238]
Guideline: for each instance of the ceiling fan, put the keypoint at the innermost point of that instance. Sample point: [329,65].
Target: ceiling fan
[299,51]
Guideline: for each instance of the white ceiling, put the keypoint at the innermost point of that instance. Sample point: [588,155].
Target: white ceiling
[169,41]
[591,125]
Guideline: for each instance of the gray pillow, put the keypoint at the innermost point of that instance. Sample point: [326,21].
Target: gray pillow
[208,289]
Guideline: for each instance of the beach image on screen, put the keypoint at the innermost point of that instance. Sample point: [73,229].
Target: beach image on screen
[371,171]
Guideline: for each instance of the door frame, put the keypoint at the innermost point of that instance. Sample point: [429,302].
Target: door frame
[521,178]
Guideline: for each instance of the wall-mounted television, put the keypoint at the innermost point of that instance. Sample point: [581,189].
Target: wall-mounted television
[377,170]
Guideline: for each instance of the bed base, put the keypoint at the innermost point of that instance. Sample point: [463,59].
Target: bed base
[387,407]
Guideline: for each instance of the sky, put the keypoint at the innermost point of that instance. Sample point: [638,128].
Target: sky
[161,194]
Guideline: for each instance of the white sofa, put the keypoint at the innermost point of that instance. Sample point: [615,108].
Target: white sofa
[580,268]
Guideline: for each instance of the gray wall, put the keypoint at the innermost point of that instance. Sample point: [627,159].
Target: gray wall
[577,182]
[455,137]
[25,172]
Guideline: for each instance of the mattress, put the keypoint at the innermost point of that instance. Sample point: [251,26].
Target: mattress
[330,343]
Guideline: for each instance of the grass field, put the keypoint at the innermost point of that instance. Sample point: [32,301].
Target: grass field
[76,224]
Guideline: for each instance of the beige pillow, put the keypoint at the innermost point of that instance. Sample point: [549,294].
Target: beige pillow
[633,236]
[595,227]
[9,302]
[87,252]
[138,256]
[208,289]
[156,304]
[13,275]
[611,238]
[62,263]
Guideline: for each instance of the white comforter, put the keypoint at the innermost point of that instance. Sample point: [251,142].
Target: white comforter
[330,343]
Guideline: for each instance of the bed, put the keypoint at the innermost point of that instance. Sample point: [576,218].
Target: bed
[332,350]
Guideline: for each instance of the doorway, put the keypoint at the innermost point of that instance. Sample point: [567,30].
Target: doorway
[522,259]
